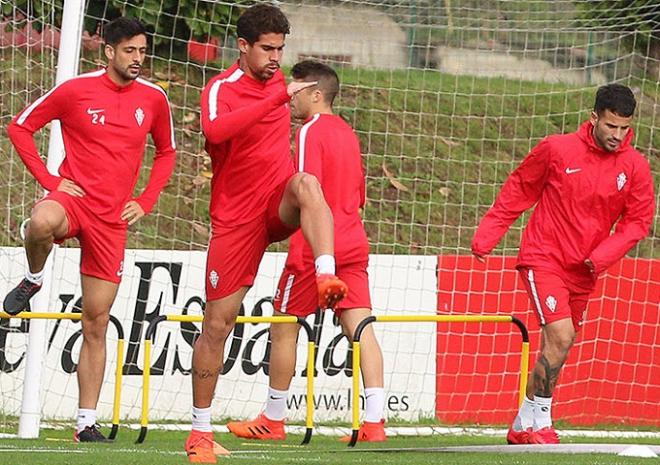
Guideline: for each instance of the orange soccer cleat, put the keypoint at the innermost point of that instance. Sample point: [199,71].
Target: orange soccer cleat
[201,448]
[331,290]
[369,432]
[546,435]
[261,427]
[518,437]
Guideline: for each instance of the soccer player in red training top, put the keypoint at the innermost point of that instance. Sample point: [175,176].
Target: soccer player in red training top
[582,184]
[105,116]
[328,148]
[256,198]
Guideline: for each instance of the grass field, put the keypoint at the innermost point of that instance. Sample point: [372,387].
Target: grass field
[166,447]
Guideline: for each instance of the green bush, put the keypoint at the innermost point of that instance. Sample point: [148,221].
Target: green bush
[167,20]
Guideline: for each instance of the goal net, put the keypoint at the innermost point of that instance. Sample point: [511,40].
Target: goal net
[447,98]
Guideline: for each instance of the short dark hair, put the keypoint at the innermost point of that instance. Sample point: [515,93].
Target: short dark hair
[261,19]
[328,81]
[616,98]
[122,28]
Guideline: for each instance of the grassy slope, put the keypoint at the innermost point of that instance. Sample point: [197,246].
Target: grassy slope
[447,143]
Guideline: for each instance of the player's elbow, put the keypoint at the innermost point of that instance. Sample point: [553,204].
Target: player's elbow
[16,132]
[213,133]
[13,131]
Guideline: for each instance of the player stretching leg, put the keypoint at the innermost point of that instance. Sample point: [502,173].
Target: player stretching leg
[256,199]
[106,116]
[328,148]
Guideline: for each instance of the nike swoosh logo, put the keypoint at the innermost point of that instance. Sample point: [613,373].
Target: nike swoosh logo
[574,170]
[93,112]
[276,398]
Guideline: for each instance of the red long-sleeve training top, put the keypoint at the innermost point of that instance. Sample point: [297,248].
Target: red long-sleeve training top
[327,147]
[104,128]
[246,123]
[582,191]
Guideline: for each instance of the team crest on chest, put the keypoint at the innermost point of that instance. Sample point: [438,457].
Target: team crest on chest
[139,116]
[621,180]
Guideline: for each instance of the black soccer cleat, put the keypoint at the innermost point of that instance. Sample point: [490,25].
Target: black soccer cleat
[90,434]
[17,300]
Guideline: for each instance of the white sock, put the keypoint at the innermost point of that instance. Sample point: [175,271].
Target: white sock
[542,412]
[325,264]
[525,417]
[375,403]
[201,419]
[36,278]
[276,404]
[86,417]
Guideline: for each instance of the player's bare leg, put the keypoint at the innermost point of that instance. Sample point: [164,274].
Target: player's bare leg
[219,320]
[270,423]
[284,337]
[303,205]
[556,340]
[98,296]
[47,223]
[371,367]
[371,357]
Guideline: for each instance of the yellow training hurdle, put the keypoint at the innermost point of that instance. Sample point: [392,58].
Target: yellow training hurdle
[524,351]
[151,331]
[120,350]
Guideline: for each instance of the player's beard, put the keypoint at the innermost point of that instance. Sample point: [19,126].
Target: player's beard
[130,73]
[607,143]
[269,71]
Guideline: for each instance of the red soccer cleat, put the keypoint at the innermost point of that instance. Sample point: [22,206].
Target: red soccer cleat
[369,432]
[518,437]
[201,448]
[261,427]
[546,435]
[331,290]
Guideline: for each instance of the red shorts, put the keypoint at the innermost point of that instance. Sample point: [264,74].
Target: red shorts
[552,299]
[101,244]
[235,252]
[297,293]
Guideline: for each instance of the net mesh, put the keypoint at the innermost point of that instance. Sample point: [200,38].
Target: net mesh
[447,98]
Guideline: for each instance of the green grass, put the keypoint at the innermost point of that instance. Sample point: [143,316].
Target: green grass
[447,142]
[56,448]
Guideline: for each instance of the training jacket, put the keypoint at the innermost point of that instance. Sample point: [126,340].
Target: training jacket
[580,191]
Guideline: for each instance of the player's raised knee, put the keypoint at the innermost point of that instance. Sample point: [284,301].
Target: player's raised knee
[47,218]
[306,186]
[42,224]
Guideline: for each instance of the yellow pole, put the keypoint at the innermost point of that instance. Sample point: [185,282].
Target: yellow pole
[145,383]
[240,319]
[118,374]
[356,386]
[43,316]
[309,421]
[524,371]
